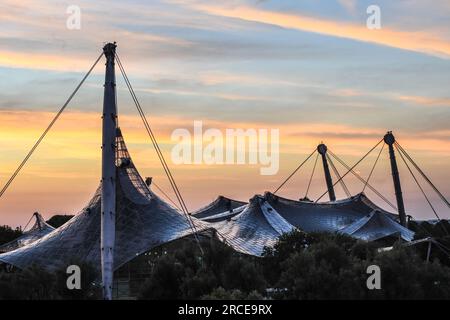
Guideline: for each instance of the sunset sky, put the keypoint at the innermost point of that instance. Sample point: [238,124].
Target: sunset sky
[310,68]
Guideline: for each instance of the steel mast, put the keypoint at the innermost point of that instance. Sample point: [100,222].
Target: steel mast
[390,140]
[322,149]
[108,200]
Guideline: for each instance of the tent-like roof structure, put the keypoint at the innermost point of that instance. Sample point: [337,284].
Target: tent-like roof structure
[143,221]
[375,226]
[266,217]
[222,208]
[257,226]
[39,229]
[325,216]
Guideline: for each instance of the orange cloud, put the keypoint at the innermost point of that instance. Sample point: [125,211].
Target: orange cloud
[44,61]
[426,101]
[65,170]
[413,41]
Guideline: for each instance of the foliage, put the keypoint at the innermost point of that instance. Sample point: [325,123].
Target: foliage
[8,234]
[35,283]
[58,220]
[440,231]
[300,266]
[328,266]
[182,273]
[234,294]
[90,288]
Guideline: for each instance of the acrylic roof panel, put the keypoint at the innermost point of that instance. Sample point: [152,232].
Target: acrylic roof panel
[266,217]
[39,229]
[257,226]
[219,206]
[328,216]
[227,215]
[143,221]
[375,226]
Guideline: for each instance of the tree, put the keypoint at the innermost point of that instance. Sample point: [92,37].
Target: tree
[166,280]
[58,220]
[35,283]
[32,283]
[8,234]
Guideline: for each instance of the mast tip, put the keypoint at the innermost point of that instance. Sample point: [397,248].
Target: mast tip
[389,138]
[110,49]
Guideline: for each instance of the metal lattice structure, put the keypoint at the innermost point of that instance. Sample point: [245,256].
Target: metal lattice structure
[220,209]
[39,229]
[143,221]
[376,226]
[326,216]
[265,218]
[256,227]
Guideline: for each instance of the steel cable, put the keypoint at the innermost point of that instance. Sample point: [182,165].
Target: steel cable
[56,117]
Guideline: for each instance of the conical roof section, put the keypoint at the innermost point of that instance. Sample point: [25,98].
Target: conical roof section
[377,225]
[326,216]
[39,229]
[222,208]
[257,226]
[267,217]
[143,221]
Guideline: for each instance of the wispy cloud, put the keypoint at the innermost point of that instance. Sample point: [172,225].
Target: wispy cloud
[349,5]
[415,41]
[426,101]
[312,72]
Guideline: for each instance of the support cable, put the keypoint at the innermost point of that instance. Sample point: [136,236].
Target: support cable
[166,168]
[160,155]
[294,172]
[166,195]
[373,167]
[24,228]
[441,247]
[423,175]
[152,137]
[56,117]
[312,175]
[348,168]
[420,187]
[336,172]
[445,249]
[363,181]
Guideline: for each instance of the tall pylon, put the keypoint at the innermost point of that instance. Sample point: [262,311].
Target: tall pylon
[322,149]
[389,139]
[108,202]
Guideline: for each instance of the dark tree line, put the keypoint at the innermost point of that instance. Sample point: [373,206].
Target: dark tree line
[58,220]
[300,266]
[35,283]
[8,234]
